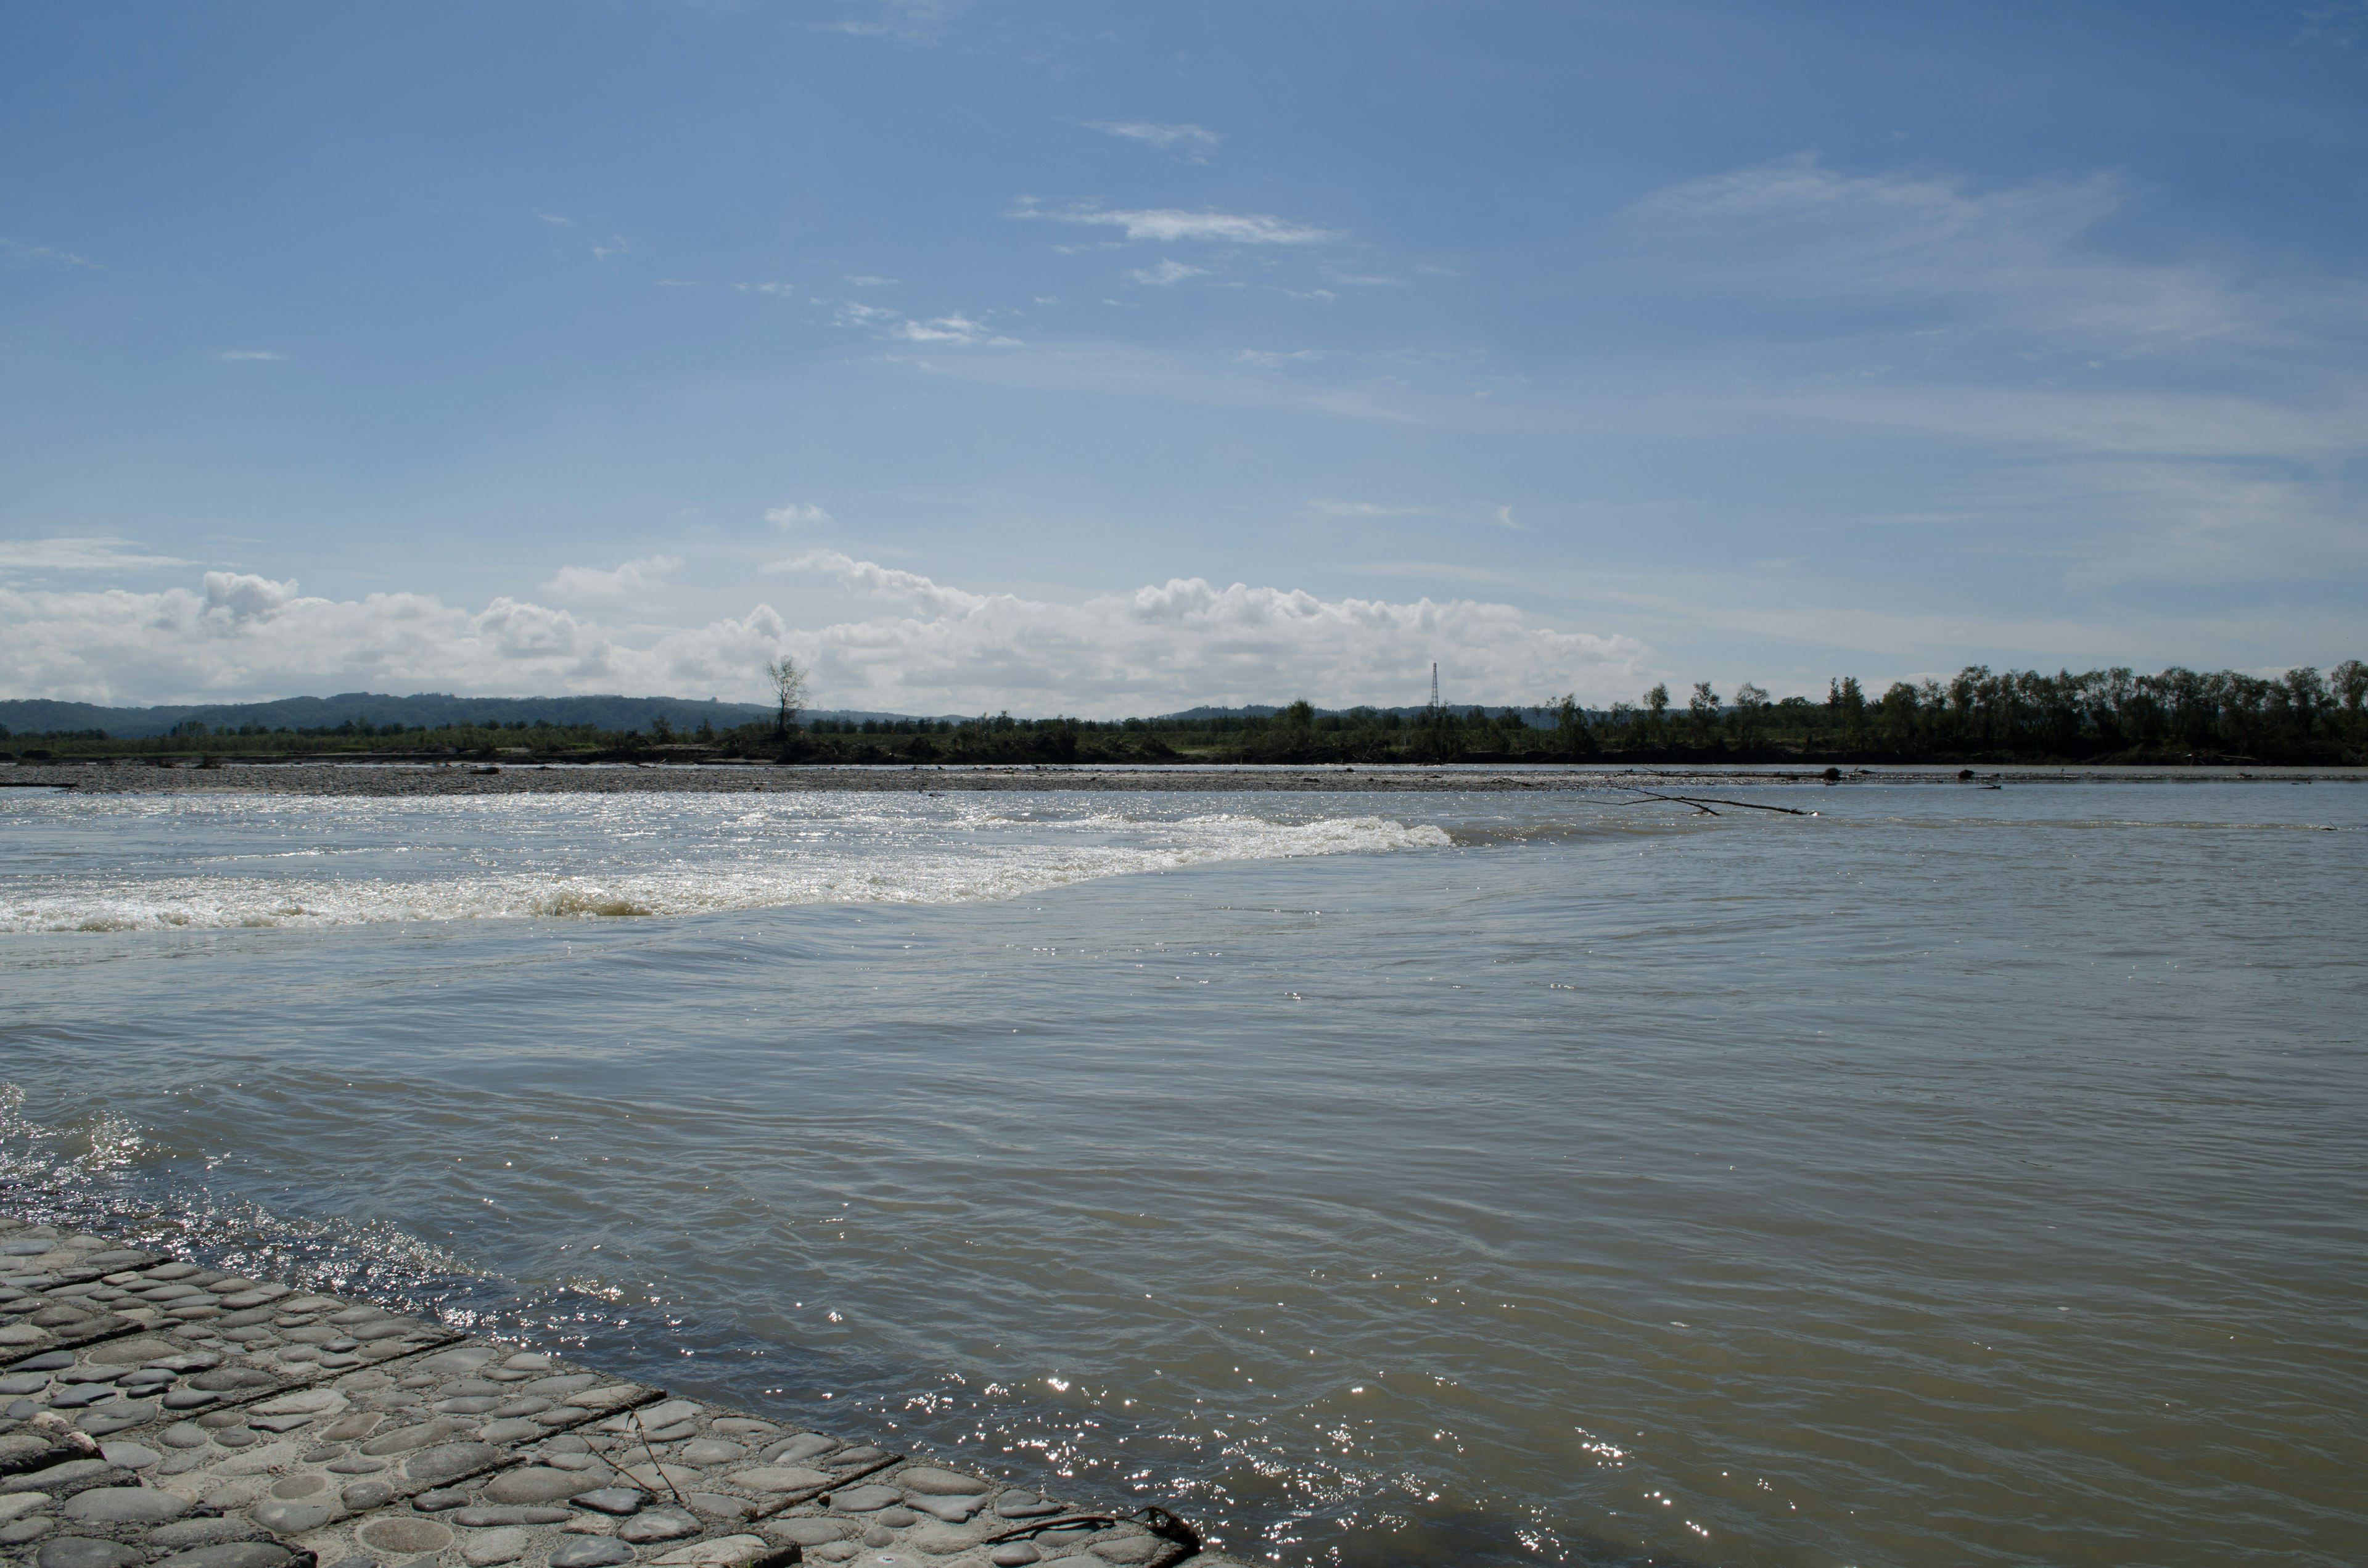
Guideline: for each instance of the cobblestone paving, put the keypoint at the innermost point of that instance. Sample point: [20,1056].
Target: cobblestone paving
[160,1412]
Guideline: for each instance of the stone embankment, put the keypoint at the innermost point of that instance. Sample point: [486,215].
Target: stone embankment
[155,1411]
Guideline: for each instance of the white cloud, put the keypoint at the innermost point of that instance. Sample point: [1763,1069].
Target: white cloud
[782,289]
[909,21]
[242,596]
[24,254]
[1329,507]
[237,354]
[555,219]
[1164,225]
[1193,144]
[1166,272]
[1793,228]
[626,577]
[248,636]
[797,514]
[1182,642]
[92,554]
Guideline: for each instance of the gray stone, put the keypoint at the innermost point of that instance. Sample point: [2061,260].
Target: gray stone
[397,1533]
[451,1460]
[236,1437]
[438,1499]
[1126,1548]
[188,1533]
[778,1478]
[708,1451]
[47,1361]
[865,1499]
[79,1552]
[937,1482]
[489,1518]
[17,1532]
[364,1496]
[290,1519]
[953,1510]
[810,1532]
[1013,1555]
[1024,1506]
[611,1500]
[71,1476]
[231,1554]
[591,1552]
[898,1517]
[877,1536]
[562,1385]
[865,1454]
[716,1506]
[508,1431]
[17,1385]
[403,1439]
[537,1483]
[356,1464]
[804,1446]
[125,1505]
[489,1547]
[76,1398]
[658,1524]
[129,1456]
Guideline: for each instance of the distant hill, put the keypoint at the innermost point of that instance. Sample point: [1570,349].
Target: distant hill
[427,708]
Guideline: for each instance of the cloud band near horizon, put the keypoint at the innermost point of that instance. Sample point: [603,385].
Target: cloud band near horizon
[936,649]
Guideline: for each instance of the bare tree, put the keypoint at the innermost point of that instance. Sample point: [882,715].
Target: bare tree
[789,686]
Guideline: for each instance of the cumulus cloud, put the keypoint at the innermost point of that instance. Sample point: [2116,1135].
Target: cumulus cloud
[1193,144]
[1181,643]
[797,514]
[1165,225]
[625,577]
[247,636]
[933,648]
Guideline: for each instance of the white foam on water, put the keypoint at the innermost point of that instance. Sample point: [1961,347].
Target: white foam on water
[226,862]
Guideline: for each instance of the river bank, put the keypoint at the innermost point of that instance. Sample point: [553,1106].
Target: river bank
[412,778]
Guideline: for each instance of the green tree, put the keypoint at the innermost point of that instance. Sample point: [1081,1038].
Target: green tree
[1751,713]
[789,687]
[1702,711]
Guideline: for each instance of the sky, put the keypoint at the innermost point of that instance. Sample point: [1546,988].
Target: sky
[1099,359]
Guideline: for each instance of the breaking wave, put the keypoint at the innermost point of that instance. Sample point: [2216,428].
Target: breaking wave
[275,861]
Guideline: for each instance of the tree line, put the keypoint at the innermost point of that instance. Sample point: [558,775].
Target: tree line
[1979,715]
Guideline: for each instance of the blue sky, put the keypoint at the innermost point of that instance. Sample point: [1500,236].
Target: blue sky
[1102,359]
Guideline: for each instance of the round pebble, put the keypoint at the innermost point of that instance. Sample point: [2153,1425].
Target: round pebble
[1013,1553]
[591,1552]
[399,1534]
[658,1524]
[125,1505]
[489,1547]
[79,1552]
[231,1554]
